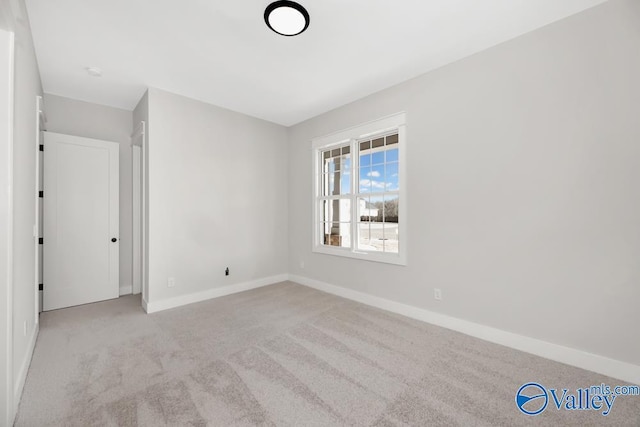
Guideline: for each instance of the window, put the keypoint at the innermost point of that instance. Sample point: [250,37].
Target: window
[359,194]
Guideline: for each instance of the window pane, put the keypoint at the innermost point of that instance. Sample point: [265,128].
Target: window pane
[392,155]
[365,159]
[390,209]
[365,181]
[337,234]
[338,210]
[377,158]
[391,237]
[345,160]
[392,139]
[337,161]
[376,176]
[325,184]
[375,204]
[364,236]
[377,143]
[334,184]
[331,184]
[338,183]
[333,160]
[365,145]
[391,176]
[345,179]
[366,211]
[390,216]
[365,240]
[345,183]
[329,166]
[370,236]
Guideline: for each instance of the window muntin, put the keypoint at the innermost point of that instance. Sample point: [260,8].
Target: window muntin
[359,192]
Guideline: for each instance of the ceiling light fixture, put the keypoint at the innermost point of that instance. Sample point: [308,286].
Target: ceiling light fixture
[286,18]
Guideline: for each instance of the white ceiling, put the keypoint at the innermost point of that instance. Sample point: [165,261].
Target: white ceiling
[221,52]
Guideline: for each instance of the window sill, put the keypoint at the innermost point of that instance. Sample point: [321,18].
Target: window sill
[362,255]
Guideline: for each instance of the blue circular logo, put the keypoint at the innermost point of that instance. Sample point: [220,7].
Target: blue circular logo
[532,399]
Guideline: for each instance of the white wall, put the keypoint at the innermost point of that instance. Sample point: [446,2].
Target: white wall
[6,306]
[523,173]
[80,118]
[26,87]
[217,197]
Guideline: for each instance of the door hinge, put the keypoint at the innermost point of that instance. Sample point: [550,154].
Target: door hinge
[40,194]
[40,286]
[41,147]
[40,240]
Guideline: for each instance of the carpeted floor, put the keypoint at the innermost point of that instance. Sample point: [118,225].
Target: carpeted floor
[282,355]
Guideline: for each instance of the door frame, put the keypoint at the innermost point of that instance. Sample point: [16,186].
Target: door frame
[139,211]
[7,406]
[41,121]
[136,194]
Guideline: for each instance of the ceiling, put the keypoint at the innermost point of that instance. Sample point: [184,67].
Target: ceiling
[221,52]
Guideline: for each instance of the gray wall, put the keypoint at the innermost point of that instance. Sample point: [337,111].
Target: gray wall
[217,196]
[79,118]
[523,172]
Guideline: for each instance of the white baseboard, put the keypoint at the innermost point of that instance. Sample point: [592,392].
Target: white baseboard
[592,362]
[145,305]
[126,290]
[24,368]
[165,304]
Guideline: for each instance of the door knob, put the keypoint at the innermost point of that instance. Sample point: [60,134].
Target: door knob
[114,240]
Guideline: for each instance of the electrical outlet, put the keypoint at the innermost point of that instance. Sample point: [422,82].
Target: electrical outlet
[437,294]
[171,282]
[301,264]
[226,272]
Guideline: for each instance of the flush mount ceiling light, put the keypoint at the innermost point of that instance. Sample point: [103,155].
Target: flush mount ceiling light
[286,18]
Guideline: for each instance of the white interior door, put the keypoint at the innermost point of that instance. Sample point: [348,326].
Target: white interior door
[81,229]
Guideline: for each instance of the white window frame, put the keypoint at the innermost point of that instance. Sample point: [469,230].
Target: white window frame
[352,136]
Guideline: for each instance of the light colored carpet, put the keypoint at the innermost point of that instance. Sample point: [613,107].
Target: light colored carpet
[282,355]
